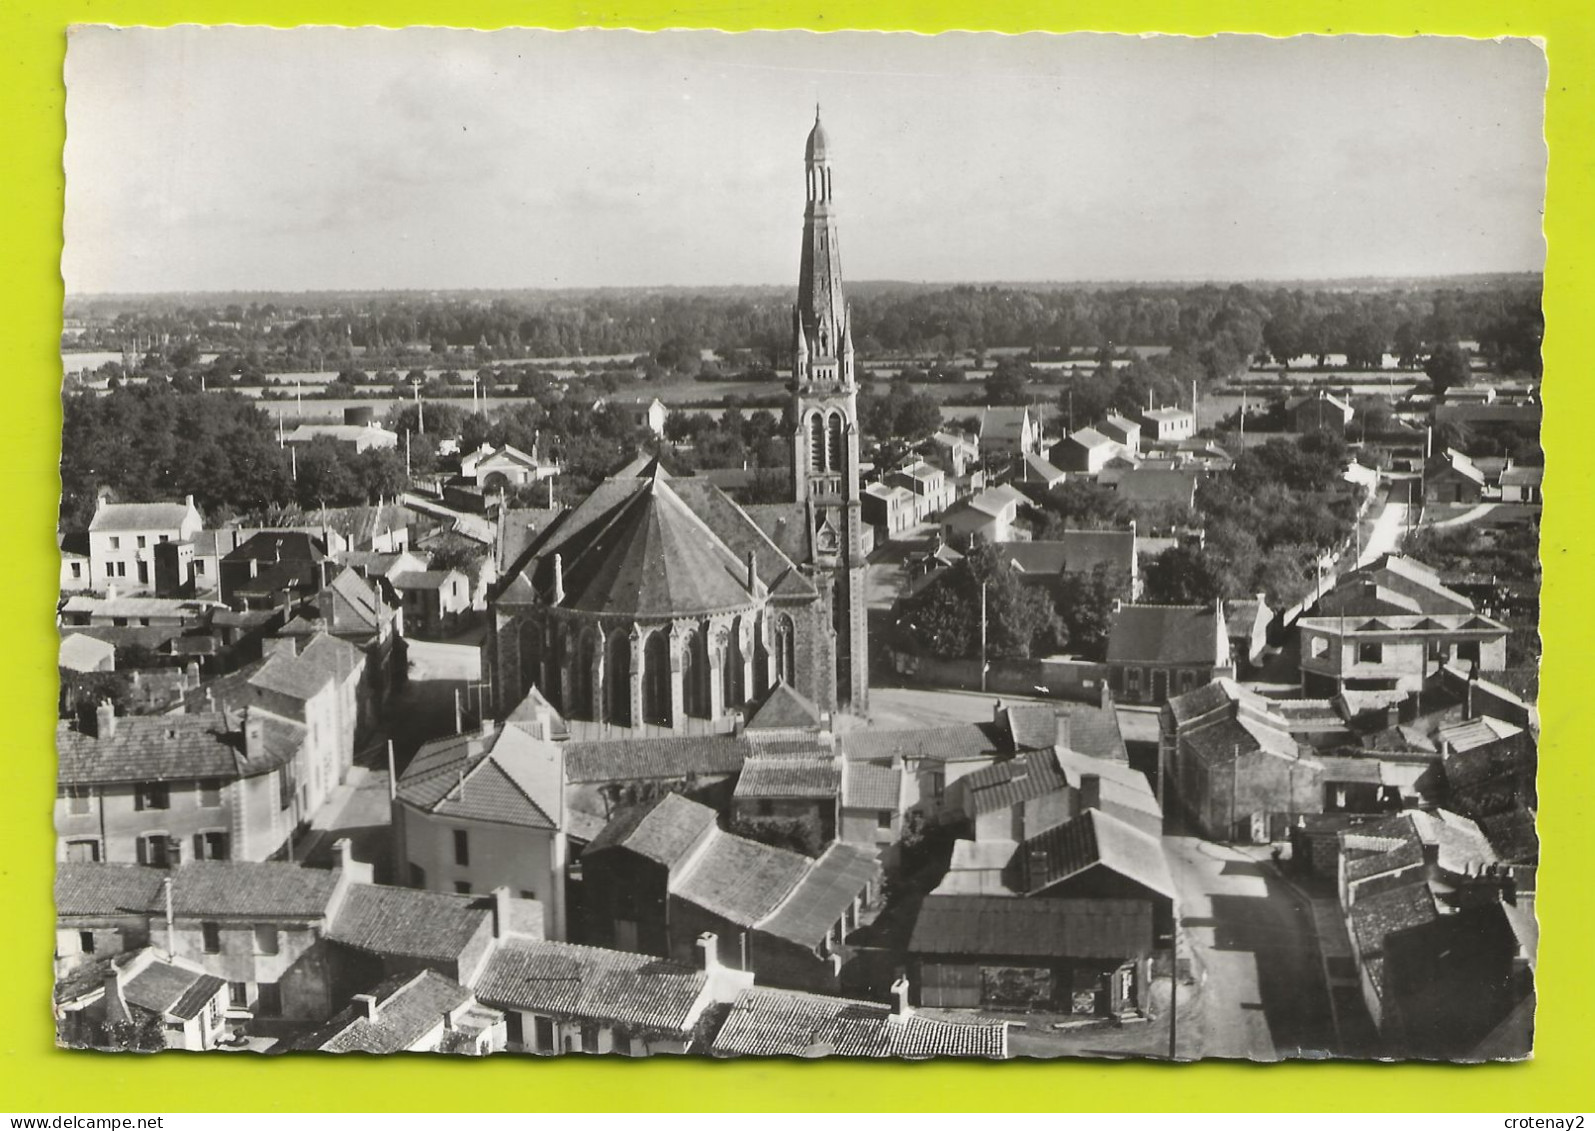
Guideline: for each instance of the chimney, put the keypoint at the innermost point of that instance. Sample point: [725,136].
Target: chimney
[559,580]
[366,1006]
[1104,695]
[104,719]
[997,710]
[1090,791]
[254,735]
[900,1006]
[709,943]
[188,501]
[501,912]
[353,870]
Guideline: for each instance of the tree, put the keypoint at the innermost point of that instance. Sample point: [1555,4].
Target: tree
[1021,620]
[1086,603]
[1008,382]
[1447,367]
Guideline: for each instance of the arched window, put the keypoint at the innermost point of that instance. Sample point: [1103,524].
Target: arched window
[731,691]
[785,650]
[531,658]
[834,456]
[695,674]
[582,701]
[656,706]
[816,442]
[761,658]
[617,677]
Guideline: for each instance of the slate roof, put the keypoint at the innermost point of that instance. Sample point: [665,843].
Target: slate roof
[742,881]
[506,777]
[164,988]
[139,516]
[784,776]
[583,982]
[1167,634]
[785,707]
[407,923]
[1092,839]
[1040,469]
[1013,781]
[153,748]
[868,785]
[409,1006]
[1088,438]
[279,545]
[675,756]
[1156,484]
[1520,475]
[425,578]
[1001,926]
[790,1023]
[664,830]
[822,896]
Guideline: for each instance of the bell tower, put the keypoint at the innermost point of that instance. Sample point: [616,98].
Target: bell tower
[825,441]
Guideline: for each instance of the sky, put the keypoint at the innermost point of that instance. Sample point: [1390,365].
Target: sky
[324,159]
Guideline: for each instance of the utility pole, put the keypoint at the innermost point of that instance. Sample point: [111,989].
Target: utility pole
[1174,986]
[982,636]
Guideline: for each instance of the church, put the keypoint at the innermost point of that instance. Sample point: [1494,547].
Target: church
[660,606]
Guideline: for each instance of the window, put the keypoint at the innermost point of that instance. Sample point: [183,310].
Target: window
[142,541]
[626,934]
[210,845]
[1132,679]
[270,999]
[83,851]
[285,786]
[152,795]
[86,942]
[528,893]
[159,850]
[77,571]
[417,876]
[116,542]
[77,799]
[1317,647]
[462,848]
[166,538]
[883,819]
[199,566]
[543,1030]
[237,995]
[1468,652]
[210,793]
[462,887]
[514,1033]
[266,939]
[211,936]
[1370,652]
[589,1037]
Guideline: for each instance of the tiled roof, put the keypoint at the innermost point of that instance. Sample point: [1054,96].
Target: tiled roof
[1167,634]
[1012,781]
[279,545]
[1088,438]
[535,706]
[1124,792]
[1470,734]
[182,608]
[789,1023]
[740,880]
[785,707]
[588,983]
[140,516]
[169,748]
[868,785]
[786,777]
[409,1006]
[288,674]
[960,742]
[83,653]
[668,757]
[1034,559]
[243,889]
[424,578]
[506,776]
[407,923]
[1001,926]
[1156,484]
[664,830]
[1378,915]
[1244,732]
[106,890]
[1166,414]
[822,896]
[1092,839]
[164,988]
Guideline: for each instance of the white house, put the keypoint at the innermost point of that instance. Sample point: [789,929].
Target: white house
[123,537]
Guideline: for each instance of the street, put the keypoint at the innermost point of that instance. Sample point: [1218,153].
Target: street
[1388,529]
[1264,996]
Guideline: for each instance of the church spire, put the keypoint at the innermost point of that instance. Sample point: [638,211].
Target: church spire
[822,309]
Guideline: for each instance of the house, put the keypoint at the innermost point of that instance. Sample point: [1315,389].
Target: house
[77,569]
[173,1001]
[640,412]
[1078,552]
[801,787]
[1324,412]
[1394,651]
[434,600]
[662,874]
[991,515]
[564,998]
[931,487]
[1520,483]
[1122,431]
[1086,451]
[1391,584]
[1157,651]
[1247,622]
[82,653]
[1490,766]
[272,569]
[771,1022]
[123,537]
[872,804]
[412,1012]
[1007,432]
[1034,469]
[356,437]
[888,507]
[478,811]
[957,453]
[1154,486]
[157,789]
[116,610]
[494,469]
[1451,477]
[1233,767]
[1167,425]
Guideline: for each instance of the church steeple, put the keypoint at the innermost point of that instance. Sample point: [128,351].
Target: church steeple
[822,310]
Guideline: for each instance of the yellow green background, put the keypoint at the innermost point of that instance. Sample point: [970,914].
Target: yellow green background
[37,1078]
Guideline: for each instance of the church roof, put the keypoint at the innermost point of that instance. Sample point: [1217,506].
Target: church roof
[815,149]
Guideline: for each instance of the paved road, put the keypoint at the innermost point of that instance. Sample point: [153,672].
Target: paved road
[1388,529]
[1264,995]
[912,708]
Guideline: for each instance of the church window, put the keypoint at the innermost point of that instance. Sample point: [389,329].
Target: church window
[816,443]
[656,679]
[833,443]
